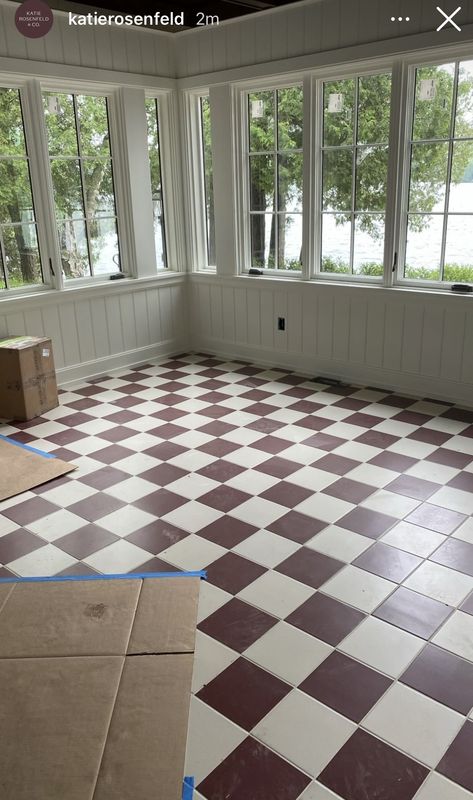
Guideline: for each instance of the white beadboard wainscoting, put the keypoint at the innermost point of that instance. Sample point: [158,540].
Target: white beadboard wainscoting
[414,342]
[103,327]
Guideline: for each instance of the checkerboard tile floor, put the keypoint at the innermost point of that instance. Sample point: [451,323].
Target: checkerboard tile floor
[335,639]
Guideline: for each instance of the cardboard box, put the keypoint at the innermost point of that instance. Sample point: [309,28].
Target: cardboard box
[95,679]
[27,377]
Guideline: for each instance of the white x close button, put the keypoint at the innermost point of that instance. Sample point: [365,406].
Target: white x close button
[449,18]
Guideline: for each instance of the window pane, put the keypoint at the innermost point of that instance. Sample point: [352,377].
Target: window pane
[73,246]
[104,246]
[67,186]
[156,182]
[289,241]
[263,240]
[368,256]
[336,243]
[99,196]
[461,187]
[15,190]
[371,178]
[428,177]
[433,103]
[262,183]
[290,182]
[374,108]
[261,121]
[464,116]
[459,249]
[208,178]
[424,245]
[60,124]
[12,139]
[337,180]
[21,255]
[339,113]
[93,125]
[290,115]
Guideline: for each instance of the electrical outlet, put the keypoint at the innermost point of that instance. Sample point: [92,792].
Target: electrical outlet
[281,323]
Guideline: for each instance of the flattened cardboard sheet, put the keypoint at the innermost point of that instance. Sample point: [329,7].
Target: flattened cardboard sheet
[175,631]
[21,470]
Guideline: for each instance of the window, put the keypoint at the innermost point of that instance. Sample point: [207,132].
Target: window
[152,117]
[20,263]
[355,136]
[438,225]
[208,179]
[275,177]
[82,175]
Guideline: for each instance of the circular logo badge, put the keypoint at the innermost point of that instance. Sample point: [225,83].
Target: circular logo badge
[34,19]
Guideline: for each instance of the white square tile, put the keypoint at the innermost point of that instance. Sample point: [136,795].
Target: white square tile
[121,556]
[465,531]
[436,787]
[192,486]
[430,471]
[126,520]
[192,460]
[372,475]
[266,548]
[461,444]
[291,433]
[242,436]
[414,723]
[413,539]
[344,430]
[95,427]
[288,653]
[312,478]
[454,499]
[57,524]
[14,501]
[315,791]
[192,553]
[275,593]
[456,635]
[69,493]
[46,429]
[89,444]
[409,447]
[131,489]
[357,451]
[300,454]
[192,516]
[211,658]
[137,463]
[210,740]
[320,731]
[322,506]
[440,583]
[358,588]
[382,646]
[246,457]
[7,526]
[211,598]
[252,481]
[192,439]
[85,465]
[139,442]
[47,560]
[396,505]
[395,428]
[259,512]
[339,543]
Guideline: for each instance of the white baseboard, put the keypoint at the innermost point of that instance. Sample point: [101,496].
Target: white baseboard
[102,366]
[356,373]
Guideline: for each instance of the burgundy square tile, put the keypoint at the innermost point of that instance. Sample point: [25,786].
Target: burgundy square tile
[237,624]
[412,417]
[24,438]
[368,523]
[436,518]
[467,605]
[278,467]
[368,769]
[429,436]
[457,763]
[286,494]
[252,394]
[165,450]
[394,461]
[443,676]
[132,377]
[154,565]
[271,444]
[224,498]
[220,470]
[160,503]
[212,384]
[215,412]
[216,428]
[342,390]
[212,397]
[413,612]
[305,406]
[310,567]
[88,391]
[104,478]
[117,434]
[53,484]
[64,454]
[83,404]
[163,474]
[388,562]
[376,439]
[396,401]
[73,420]
[468,432]
[17,544]
[157,536]
[128,401]
[363,420]
[463,481]
[218,448]
[345,685]
[130,388]
[96,506]
[264,425]
[244,693]
[410,486]
[456,554]
[78,569]
[171,386]
[324,441]
[249,370]
[338,465]
[30,423]
[298,391]
[351,403]
[459,414]
[168,414]
[167,431]
[325,618]
[227,531]
[449,458]
[252,382]
[292,380]
[351,491]
[232,573]
[260,409]
[297,527]
[85,541]
[313,423]
[29,511]
[171,399]
[112,454]
[66,437]
[6,573]
[253,771]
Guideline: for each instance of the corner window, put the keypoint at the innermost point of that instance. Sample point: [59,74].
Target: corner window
[152,117]
[275,119]
[206,133]
[438,227]
[82,174]
[20,264]
[355,136]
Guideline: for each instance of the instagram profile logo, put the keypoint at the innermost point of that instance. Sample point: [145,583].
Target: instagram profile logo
[34,19]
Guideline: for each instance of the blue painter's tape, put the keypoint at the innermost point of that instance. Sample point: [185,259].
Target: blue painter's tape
[188,788]
[118,577]
[27,447]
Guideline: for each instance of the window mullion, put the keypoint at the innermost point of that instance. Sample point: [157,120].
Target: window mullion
[354,174]
[398,152]
[449,170]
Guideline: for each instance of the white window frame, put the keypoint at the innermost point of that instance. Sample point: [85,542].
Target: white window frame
[194,182]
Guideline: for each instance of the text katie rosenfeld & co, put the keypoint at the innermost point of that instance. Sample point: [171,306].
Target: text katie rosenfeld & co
[173,18]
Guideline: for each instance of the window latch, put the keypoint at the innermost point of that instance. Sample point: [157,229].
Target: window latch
[395,262]
[51,268]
